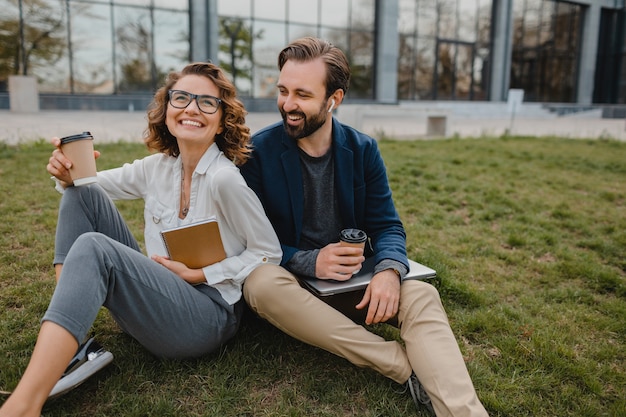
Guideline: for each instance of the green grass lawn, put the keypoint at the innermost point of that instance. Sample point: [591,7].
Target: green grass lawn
[528,236]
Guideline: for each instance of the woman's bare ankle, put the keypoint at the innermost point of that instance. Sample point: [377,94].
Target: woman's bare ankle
[14,407]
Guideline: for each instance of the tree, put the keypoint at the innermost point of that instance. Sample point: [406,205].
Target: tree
[236,41]
[42,36]
[138,71]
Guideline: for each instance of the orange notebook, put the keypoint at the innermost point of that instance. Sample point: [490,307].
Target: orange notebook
[196,245]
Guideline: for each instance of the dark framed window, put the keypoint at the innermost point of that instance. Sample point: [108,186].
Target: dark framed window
[445,48]
[546,50]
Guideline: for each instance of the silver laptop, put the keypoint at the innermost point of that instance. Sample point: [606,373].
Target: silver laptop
[326,287]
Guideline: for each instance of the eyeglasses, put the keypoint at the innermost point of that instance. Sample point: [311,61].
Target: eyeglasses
[181,99]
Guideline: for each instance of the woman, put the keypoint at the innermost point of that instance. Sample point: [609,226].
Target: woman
[196,124]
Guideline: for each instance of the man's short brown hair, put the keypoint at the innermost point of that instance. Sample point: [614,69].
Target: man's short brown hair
[309,48]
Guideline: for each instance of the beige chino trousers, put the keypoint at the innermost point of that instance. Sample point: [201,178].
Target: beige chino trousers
[431,349]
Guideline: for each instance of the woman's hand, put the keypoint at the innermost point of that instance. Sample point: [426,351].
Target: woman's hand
[192,276]
[59,166]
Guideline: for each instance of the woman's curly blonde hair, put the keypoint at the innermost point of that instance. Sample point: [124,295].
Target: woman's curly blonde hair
[234,140]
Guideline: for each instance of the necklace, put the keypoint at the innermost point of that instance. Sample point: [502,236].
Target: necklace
[185,202]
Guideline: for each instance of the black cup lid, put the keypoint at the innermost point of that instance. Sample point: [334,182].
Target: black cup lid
[353,235]
[80,136]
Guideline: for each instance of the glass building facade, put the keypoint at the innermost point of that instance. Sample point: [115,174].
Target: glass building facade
[94,46]
[443,49]
[269,25]
[546,46]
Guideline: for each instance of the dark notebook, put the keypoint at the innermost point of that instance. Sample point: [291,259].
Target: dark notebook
[196,245]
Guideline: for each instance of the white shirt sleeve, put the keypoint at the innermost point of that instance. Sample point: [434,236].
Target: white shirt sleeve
[241,218]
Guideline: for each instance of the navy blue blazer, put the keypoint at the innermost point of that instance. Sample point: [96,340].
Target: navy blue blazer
[365,201]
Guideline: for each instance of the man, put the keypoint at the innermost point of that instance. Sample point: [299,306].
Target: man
[315,177]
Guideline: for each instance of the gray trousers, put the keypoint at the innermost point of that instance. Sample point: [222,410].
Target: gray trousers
[103,266]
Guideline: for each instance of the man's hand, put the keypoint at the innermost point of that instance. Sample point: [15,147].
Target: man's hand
[383,297]
[338,262]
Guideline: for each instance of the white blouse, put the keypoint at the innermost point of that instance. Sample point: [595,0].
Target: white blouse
[217,190]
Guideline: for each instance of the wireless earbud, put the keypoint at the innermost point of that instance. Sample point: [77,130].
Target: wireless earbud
[332,104]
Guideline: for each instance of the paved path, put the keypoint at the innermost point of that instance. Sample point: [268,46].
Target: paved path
[106,126]
[114,126]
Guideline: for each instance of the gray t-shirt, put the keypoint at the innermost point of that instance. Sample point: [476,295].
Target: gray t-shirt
[322,222]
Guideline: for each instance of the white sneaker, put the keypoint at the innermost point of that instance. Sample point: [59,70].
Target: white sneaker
[89,359]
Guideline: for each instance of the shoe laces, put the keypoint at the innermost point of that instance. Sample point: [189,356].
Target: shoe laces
[418,393]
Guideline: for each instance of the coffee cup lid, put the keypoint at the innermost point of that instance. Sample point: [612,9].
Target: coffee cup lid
[80,136]
[353,235]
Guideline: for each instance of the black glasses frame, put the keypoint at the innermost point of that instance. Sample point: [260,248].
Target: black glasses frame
[191,98]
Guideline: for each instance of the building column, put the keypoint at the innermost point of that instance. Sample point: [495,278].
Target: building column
[386,52]
[502,50]
[204,31]
[588,53]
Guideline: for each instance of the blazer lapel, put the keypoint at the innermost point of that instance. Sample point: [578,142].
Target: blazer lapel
[344,175]
[291,166]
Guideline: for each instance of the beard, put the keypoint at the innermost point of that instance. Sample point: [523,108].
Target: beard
[311,123]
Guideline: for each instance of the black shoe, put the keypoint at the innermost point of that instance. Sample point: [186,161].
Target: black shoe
[89,359]
[419,395]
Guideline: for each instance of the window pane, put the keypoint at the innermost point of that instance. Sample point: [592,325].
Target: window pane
[546,18]
[447,19]
[143,3]
[299,31]
[532,23]
[484,22]
[481,74]
[361,58]
[467,15]
[546,50]
[171,41]
[334,13]
[303,11]
[406,16]
[566,22]
[427,18]
[91,54]
[425,68]
[622,84]
[240,8]
[169,4]
[9,21]
[133,34]
[269,9]
[406,67]
[363,14]
[235,51]
[463,72]
[265,52]
[45,43]
[337,37]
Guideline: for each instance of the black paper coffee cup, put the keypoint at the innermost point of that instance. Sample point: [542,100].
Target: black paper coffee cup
[353,237]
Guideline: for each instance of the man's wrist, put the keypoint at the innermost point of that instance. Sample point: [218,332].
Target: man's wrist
[392,265]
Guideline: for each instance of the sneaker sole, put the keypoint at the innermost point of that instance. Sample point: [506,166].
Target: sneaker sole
[81,374]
